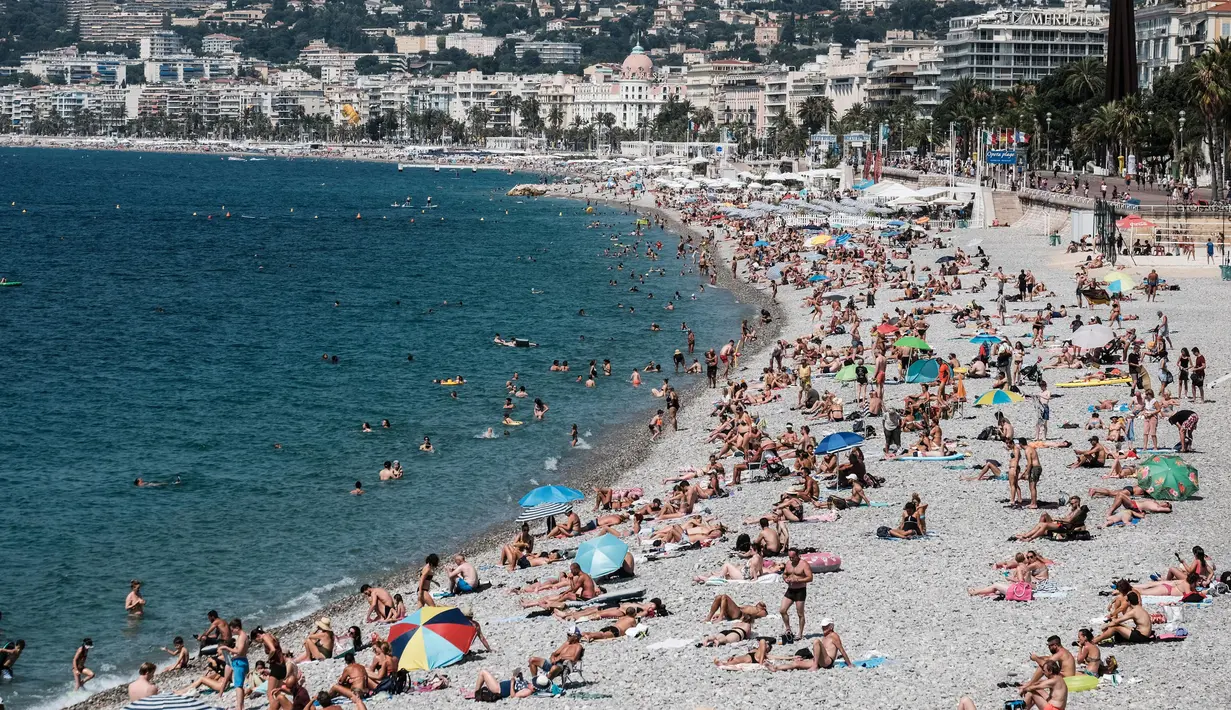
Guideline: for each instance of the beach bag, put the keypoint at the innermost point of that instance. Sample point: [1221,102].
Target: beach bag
[883,531]
[1019,592]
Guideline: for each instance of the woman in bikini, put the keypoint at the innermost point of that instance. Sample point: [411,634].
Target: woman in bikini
[425,580]
[1201,564]
[1174,588]
[741,631]
[724,607]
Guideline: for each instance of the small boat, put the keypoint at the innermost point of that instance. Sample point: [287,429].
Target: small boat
[238,160]
[10,283]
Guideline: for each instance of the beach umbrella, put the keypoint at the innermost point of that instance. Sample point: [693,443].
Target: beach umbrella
[946,259]
[168,701]
[602,555]
[998,397]
[550,494]
[846,374]
[1118,282]
[1093,336]
[546,510]
[761,243]
[431,637]
[840,441]
[911,341]
[886,328]
[923,371]
[982,338]
[817,277]
[818,240]
[1165,477]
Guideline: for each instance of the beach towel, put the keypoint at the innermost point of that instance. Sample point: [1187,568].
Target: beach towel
[670,644]
[1051,595]
[744,667]
[928,536]
[870,662]
[950,457]
[771,578]
[1120,524]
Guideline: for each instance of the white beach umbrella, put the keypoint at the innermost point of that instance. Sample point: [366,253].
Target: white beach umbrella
[168,701]
[546,510]
[1093,336]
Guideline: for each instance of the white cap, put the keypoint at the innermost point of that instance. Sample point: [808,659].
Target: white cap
[826,622]
[852,477]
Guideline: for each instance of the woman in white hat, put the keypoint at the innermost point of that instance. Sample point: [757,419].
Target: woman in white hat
[319,644]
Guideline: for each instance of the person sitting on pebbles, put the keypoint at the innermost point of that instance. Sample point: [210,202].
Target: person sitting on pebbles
[1093,457]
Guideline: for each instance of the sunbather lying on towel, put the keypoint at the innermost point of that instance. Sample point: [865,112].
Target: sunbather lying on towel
[724,607]
[823,653]
[1047,525]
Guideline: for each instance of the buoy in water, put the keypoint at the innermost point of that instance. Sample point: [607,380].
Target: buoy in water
[292,209]
[358,216]
[561,214]
[589,210]
[117,207]
[481,219]
[23,211]
[194,214]
[228,215]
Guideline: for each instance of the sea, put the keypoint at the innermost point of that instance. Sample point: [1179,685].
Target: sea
[178,322]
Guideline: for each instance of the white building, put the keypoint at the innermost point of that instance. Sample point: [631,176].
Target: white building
[474,44]
[1006,47]
[847,75]
[68,65]
[551,52]
[162,43]
[631,97]
[218,44]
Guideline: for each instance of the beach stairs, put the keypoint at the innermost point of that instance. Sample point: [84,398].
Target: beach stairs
[1007,207]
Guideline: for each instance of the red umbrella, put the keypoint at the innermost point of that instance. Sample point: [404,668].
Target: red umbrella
[886,329]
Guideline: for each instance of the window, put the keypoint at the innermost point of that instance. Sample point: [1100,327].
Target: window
[1226,29]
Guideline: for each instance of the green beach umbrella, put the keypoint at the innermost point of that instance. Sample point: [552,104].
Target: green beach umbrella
[910,341]
[846,374]
[1166,477]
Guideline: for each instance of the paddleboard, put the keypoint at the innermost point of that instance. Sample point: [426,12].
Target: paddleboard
[1097,383]
[11,283]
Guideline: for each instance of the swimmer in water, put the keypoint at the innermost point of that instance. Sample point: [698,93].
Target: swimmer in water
[573,435]
[367,428]
[510,421]
[358,489]
[453,394]
[384,424]
[134,604]
[581,312]
[489,434]
[636,378]
[426,446]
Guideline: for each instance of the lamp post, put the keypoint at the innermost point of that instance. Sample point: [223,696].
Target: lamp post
[1048,144]
[1179,138]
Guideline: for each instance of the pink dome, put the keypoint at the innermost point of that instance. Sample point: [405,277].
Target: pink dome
[637,65]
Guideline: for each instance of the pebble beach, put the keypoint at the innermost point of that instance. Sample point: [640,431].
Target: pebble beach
[904,601]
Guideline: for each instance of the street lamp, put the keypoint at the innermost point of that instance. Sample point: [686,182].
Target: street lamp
[1178,143]
[1048,144]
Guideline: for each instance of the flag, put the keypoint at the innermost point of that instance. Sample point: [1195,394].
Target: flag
[1022,137]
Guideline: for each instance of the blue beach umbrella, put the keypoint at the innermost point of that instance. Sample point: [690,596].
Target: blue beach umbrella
[840,441]
[602,555]
[923,371]
[896,223]
[982,338]
[761,243]
[818,277]
[550,494]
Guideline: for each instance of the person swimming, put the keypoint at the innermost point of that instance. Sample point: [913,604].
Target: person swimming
[489,434]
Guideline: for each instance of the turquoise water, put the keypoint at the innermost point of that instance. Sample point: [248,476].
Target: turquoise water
[149,342]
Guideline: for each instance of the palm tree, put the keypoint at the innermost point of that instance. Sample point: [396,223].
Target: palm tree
[555,119]
[816,112]
[510,105]
[1085,78]
[531,120]
[478,116]
[607,121]
[855,118]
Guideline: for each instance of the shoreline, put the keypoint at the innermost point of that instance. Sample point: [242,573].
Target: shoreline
[613,459]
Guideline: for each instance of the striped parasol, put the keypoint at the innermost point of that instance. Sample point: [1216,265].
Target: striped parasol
[168,701]
[545,510]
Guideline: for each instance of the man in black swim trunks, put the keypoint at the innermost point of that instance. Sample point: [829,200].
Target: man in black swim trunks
[797,575]
[1141,631]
